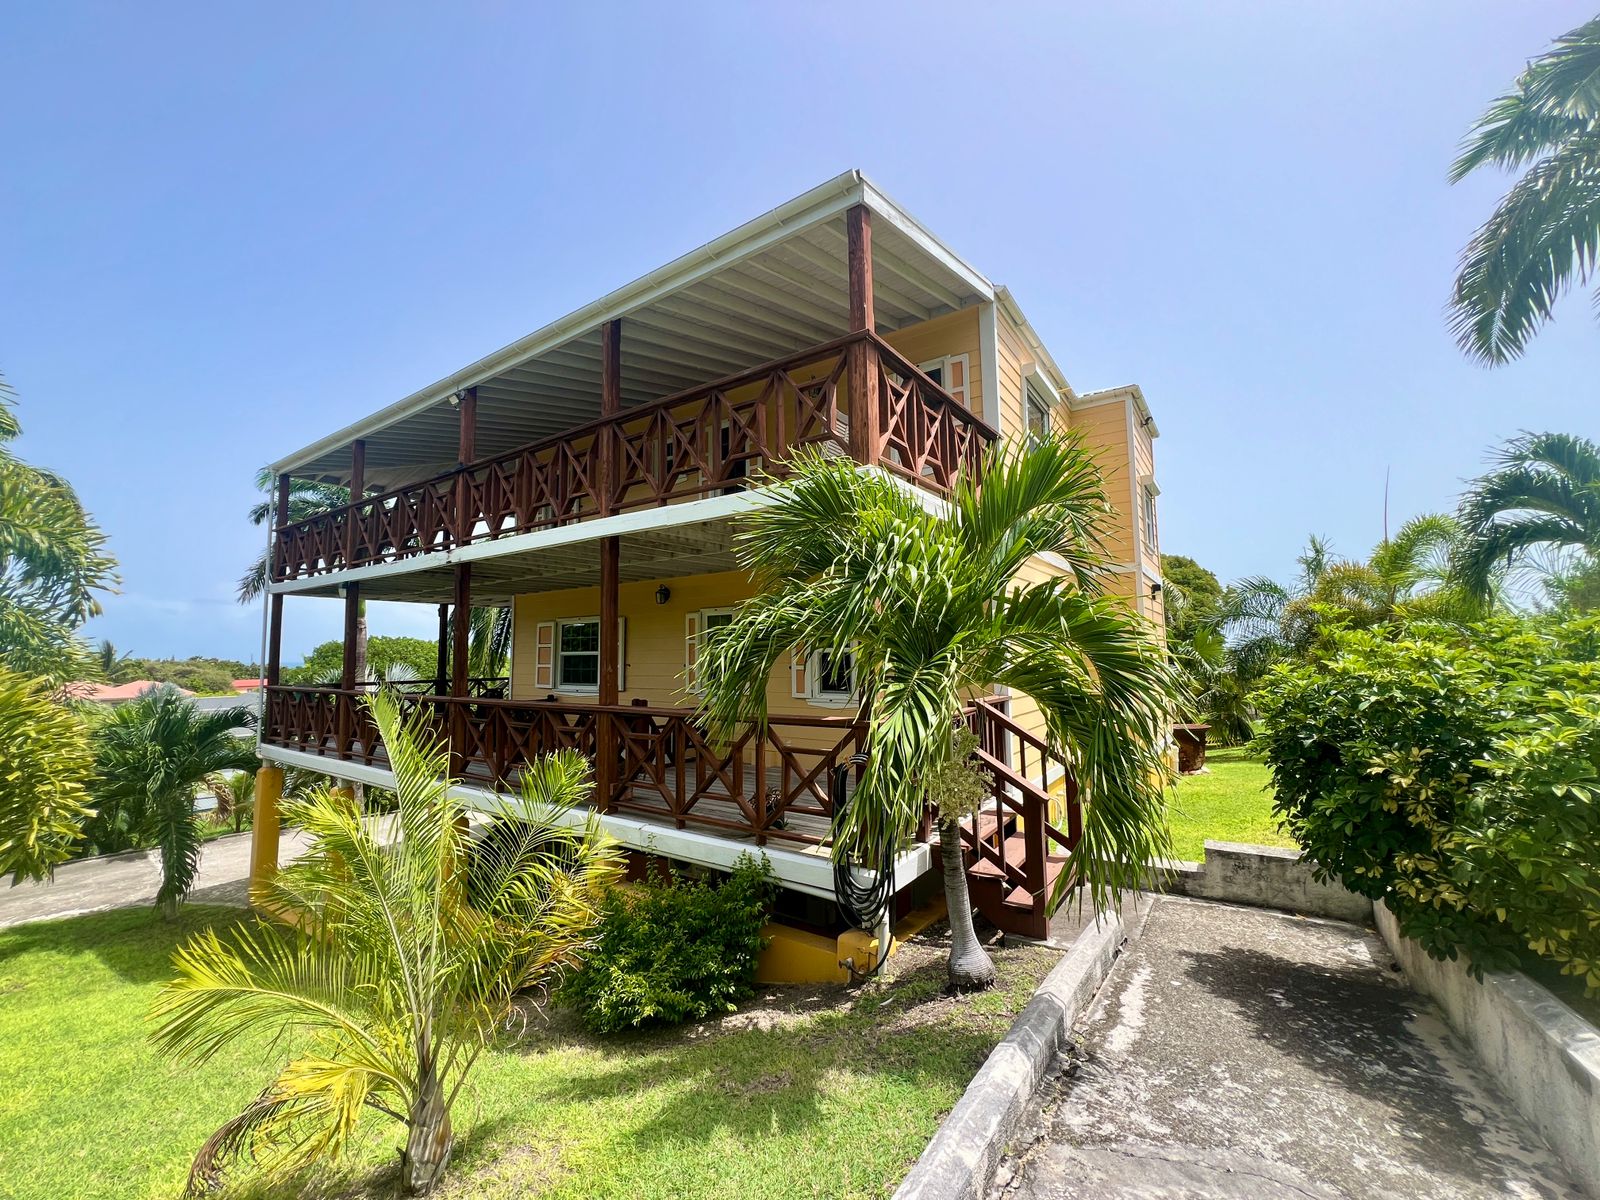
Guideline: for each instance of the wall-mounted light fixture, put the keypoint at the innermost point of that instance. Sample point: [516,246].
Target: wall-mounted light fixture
[1155,589]
[663,594]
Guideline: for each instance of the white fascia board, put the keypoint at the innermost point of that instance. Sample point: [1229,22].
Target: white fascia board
[1040,351]
[905,223]
[811,873]
[818,204]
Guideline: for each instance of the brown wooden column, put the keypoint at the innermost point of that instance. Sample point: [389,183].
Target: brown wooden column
[460,636]
[441,675]
[606,744]
[347,674]
[358,489]
[462,631]
[862,374]
[466,452]
[280,518]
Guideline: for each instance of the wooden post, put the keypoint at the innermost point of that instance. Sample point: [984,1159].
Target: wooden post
[358,489]
[607,749]
[352,620]
[462,631]
[610,406]
[441,675]
[456,722]
[862,371]
[468,435]
[280,518]
[347,674]
[467,450]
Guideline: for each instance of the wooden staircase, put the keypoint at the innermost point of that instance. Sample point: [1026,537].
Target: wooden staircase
[1015,851]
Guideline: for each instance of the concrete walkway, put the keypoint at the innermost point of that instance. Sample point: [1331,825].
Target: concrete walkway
[1240,1053]
[132,879]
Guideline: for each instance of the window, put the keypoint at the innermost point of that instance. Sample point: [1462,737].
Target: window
[566,654]
[835,675]
[578,656]
[1147,494]
[1038,413]
[822,677]
[696,626]
[950,373]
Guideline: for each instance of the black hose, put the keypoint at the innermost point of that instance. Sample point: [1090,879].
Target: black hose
[863,905]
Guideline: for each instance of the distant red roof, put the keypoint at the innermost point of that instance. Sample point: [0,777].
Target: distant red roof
[114,693]
[248,685]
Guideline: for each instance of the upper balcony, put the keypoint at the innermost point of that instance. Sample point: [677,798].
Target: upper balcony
[808,326]
[707,441]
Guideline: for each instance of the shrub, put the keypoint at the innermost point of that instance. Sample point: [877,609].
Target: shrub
[45,764]
[1454,773]
[673,950]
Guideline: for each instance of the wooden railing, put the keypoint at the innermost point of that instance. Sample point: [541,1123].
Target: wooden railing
[771,783]
[702,442]
[1023,803]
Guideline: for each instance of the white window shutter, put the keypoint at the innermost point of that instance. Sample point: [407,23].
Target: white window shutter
[800,673]
[622,654]
[955,378]
[544,656]
[691,649]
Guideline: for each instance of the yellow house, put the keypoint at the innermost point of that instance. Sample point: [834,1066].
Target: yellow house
[590,477]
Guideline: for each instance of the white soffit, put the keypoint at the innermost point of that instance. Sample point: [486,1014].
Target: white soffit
[767,289]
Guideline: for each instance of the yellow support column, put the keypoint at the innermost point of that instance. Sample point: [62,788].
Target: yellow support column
[264,831]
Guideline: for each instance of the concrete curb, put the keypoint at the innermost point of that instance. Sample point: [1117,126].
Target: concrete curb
[1545,1056]
[960,1161]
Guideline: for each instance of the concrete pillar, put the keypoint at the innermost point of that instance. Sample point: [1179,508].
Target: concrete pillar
[264,831]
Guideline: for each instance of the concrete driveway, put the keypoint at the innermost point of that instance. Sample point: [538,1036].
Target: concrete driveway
[131,880]
[1240,1053]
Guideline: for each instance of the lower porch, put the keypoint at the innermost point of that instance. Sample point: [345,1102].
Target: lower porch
[663,787]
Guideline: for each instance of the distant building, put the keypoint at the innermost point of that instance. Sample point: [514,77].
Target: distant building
[116,693]
[248,685]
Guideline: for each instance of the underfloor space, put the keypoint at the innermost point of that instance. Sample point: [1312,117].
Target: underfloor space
[1241,1053]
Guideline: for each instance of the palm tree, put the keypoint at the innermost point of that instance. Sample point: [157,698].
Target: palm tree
[151,756]
[1543,495]
[396,976]
[1409,575]
[45,763]
[235,792]
[1546,231]
[929,603]
[53,564]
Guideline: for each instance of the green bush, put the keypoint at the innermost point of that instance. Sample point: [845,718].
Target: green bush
[1454,773]
[673,950]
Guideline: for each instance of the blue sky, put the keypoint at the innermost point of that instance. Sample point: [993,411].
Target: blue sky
[225,230]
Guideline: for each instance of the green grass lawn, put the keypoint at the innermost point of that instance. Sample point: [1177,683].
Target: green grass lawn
[806,1092]
[1231,802]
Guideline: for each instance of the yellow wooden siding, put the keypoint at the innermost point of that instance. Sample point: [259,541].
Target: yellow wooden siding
[954,333]
[654,642]
[1105,431]
[1012,356]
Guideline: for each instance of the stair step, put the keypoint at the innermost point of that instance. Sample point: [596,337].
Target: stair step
[1018,897]
[1015,852]
[987,824]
